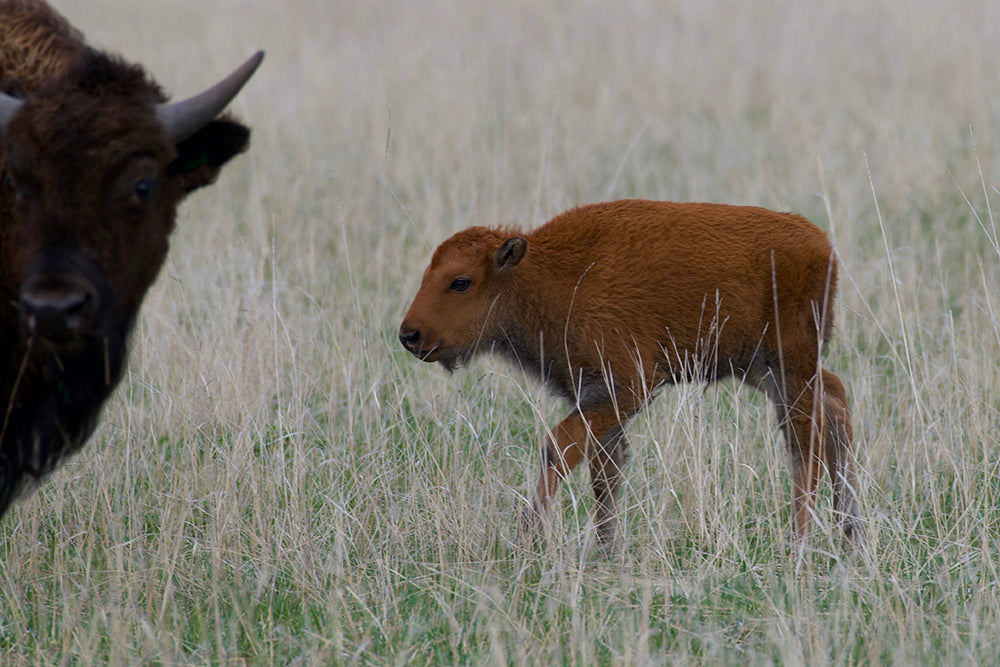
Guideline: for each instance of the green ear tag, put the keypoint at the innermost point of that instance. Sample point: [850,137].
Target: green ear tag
[197,161]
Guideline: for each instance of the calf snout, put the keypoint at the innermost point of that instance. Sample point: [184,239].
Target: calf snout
[410,338]
[58,308]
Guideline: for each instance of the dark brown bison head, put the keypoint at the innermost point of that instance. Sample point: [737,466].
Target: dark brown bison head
[95,168]
[450,319]
[93,164]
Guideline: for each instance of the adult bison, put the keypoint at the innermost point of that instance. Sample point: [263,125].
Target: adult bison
[93,162]
[608,302]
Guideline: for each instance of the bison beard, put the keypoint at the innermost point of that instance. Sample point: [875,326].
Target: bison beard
[68,391]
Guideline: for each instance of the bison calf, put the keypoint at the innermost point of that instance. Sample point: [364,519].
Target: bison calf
[607,302]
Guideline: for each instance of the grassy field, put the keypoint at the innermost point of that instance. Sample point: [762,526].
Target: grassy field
[278,482]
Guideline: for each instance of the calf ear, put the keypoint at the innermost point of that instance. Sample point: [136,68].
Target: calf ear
[200,157]
[511,252]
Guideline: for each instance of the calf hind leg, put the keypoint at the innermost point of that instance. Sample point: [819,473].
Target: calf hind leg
[806,464]
[819,434]
[840,460]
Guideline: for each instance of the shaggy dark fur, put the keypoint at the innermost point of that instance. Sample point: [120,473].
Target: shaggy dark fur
[90,186]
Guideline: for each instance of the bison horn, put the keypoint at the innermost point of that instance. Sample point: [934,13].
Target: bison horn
[184,118]
[8,107]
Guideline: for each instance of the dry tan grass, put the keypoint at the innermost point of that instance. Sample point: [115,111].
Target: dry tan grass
[277,481]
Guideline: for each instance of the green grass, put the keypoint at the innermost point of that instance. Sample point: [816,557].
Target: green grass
[277,482]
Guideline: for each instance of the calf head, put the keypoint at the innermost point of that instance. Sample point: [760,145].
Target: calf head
[451,317]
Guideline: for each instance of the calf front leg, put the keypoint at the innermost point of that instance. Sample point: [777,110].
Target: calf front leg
[563,451]
[597,435]
[607,458]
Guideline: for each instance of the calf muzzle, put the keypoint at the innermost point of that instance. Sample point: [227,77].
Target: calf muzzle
[410,338]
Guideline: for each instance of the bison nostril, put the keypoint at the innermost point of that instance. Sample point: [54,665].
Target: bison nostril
[409,337]
[58,314]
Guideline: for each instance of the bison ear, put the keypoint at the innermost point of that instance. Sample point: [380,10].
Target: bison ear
[200,157]
[511,252]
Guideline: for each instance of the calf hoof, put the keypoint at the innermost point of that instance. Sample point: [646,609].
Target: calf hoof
[853,530]
[607,532]
[529,528]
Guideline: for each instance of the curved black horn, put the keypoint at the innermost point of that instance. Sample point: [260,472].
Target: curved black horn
[184,118]
[8,107]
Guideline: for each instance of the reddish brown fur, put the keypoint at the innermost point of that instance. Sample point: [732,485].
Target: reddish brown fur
[77,162]
[607,302]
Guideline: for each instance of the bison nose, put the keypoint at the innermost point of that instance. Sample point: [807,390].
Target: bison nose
[410,338]
[58,308]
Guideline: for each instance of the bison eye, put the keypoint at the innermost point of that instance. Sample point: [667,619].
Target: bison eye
[144,189]
[459,284]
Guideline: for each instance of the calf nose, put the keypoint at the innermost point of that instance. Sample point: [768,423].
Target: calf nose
[410,338]
[58,308]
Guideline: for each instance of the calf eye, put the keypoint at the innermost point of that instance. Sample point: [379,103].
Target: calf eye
[144,189]
[460,284]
